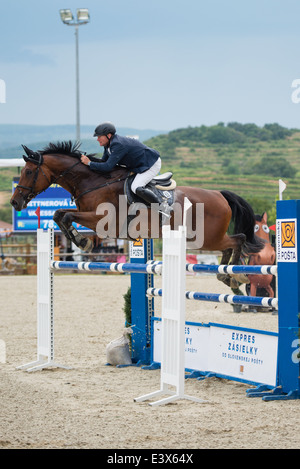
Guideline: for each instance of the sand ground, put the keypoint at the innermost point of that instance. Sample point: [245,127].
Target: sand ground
[92,405]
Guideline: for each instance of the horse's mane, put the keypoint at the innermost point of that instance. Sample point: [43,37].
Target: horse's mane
[66,148]
[70,148]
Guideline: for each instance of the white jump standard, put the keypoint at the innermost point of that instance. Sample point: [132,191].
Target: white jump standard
[45,310]
[173,320]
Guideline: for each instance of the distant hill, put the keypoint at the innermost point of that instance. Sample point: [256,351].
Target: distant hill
[38,136]
[244,158]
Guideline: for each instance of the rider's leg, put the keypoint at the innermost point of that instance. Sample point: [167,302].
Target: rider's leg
[141,180]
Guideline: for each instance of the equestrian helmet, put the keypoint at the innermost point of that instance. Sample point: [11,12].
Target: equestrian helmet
[104,129]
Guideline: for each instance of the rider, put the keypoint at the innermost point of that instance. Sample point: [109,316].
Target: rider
[136,156]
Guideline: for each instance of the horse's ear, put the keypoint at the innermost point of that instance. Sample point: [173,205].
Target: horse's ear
[32,156]
[264,217]
[27,151]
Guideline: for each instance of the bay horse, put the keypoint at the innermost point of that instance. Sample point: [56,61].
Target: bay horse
[60,163]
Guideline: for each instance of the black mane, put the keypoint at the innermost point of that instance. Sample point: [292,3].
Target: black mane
[66,148]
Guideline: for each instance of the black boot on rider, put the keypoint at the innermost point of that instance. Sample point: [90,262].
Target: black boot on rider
[147,195]
[152,198]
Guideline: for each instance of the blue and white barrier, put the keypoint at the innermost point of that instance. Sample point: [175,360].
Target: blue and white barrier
[107,267]
[233,269]
[223,298]
[155,267]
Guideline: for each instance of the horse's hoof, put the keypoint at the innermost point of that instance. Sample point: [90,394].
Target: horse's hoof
[221,277]
[252,309]
[224,278]
[241,278]
[234,283]
[86,245]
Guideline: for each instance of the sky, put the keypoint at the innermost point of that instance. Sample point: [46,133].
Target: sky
[156,64]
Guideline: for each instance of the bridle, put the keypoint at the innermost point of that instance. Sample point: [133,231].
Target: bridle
[38,160]
[31,194]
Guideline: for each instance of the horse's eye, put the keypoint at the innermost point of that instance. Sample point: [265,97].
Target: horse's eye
[28,172]
[256,228]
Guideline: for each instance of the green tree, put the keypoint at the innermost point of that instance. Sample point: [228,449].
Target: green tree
[274,166]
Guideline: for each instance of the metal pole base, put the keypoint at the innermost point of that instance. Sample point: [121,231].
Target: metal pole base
[41,365]
[173,397]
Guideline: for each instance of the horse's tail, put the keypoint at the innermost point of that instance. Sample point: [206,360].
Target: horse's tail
[244,221]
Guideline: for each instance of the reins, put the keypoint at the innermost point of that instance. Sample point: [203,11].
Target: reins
[102,185]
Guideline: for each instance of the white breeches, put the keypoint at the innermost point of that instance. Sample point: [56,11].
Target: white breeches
[141,179]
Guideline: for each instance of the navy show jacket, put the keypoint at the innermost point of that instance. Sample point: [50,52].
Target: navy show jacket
[127,152]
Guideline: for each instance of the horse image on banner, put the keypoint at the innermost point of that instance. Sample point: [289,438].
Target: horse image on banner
[266,256]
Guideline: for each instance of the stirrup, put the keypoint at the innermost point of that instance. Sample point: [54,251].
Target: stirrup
[166,209]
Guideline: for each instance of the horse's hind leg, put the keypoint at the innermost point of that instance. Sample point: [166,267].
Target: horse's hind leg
[240,240]
[234,253]
[226,255]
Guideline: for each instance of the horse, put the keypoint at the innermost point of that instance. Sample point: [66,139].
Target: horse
[60,163]
[266,256]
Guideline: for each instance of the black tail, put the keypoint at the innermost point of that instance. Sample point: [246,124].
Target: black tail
[244,221]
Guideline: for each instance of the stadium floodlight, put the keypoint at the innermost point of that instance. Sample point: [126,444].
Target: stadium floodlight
[66,16]
[83,15]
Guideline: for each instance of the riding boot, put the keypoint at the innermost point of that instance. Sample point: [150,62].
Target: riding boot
[152,198]
[147,195]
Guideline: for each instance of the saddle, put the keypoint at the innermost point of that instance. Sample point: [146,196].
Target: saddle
[163,187]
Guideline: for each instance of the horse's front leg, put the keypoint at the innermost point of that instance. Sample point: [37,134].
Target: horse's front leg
[58,218]
[65,218]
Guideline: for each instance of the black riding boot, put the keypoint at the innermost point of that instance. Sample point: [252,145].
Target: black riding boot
[152,198]
[147,195]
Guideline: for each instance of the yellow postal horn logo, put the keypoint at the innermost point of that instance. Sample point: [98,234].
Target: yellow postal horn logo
[288,234]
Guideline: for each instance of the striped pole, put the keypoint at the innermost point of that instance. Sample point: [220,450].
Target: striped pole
[155,267]
[233,269]
[107,267]
[223,298]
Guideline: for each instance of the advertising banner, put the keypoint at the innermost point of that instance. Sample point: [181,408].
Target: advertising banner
[246,355]
[47,202]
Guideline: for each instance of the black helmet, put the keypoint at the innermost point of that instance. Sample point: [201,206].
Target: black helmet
[104,129]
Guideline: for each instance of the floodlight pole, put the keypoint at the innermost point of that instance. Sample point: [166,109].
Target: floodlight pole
[77,87]
[71,22]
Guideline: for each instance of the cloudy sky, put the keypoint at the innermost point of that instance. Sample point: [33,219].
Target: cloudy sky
[156,64]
